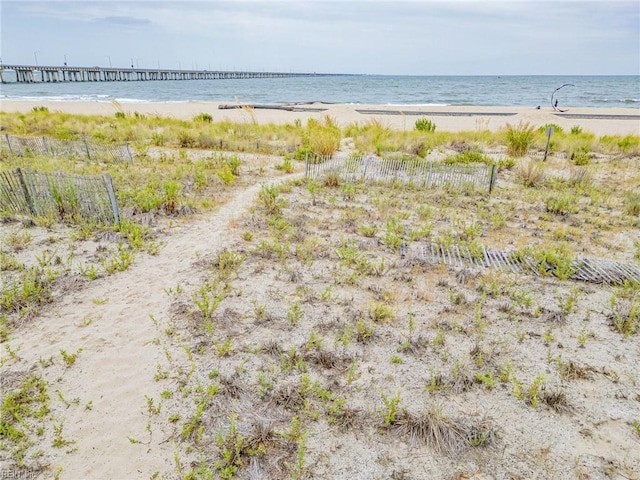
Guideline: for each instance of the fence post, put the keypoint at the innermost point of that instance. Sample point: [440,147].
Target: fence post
[129,152]
[492,180]
[366,165]
[112,197]
[6,136]
[306,164]
[44,142]
[25,191]
[86,147]
[546,149]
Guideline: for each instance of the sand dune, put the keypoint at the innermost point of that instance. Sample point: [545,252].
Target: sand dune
[606,121]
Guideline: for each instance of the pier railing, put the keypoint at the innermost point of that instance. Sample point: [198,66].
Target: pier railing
[55,74]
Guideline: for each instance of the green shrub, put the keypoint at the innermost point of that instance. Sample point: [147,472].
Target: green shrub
[234,165]
[286,166]
[628,143]
[226,175]
[581,156]
[562,204]
[171,192]
[519,138]
[469,157]
[555,260]
[203,117]
[323,137]
[268,197]
[425,125]
[302,152]
[186,139]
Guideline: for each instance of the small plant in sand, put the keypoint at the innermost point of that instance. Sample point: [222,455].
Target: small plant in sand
[269,200]
[624,316]
[171,193]
[391,407]
[286,166]
[70,358]
[555,260]
[18,240]
[27,292]
[120,261]
[22,412]
[562,204]
[231,445]
[208,297]
[294,313]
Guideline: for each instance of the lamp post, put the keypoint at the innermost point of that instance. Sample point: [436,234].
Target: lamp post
[35,55]
[109,57]
[65,59]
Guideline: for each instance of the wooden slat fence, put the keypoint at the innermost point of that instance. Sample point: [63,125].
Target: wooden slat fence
[423,173]
[84,148]
[585,269]
[62,195]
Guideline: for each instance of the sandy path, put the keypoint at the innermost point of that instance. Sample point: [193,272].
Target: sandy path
[115,370]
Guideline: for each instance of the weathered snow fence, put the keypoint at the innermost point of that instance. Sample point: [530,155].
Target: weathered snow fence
[61,195]
[369,168]
[85,148]
[584,269]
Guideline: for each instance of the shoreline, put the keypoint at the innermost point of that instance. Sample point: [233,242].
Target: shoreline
[599,121]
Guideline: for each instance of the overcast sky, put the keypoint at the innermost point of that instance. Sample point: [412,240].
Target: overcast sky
[456,37]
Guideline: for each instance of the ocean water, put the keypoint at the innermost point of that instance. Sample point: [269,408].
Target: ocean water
[584,91]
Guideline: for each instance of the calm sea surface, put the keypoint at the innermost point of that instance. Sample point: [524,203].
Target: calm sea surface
[585,91]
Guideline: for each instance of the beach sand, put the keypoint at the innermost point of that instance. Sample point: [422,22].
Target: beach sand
[139,364]
[606,121]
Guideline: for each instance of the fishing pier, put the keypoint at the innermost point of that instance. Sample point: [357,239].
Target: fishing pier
[57,74]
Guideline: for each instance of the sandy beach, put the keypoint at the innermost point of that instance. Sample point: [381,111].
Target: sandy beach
[309,337]
[605,121]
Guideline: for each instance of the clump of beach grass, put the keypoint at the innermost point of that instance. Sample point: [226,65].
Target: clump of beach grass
[519,138]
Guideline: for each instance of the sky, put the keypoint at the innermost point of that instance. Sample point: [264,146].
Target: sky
[418,37]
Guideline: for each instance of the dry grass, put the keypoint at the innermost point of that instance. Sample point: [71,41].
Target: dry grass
[444,435]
